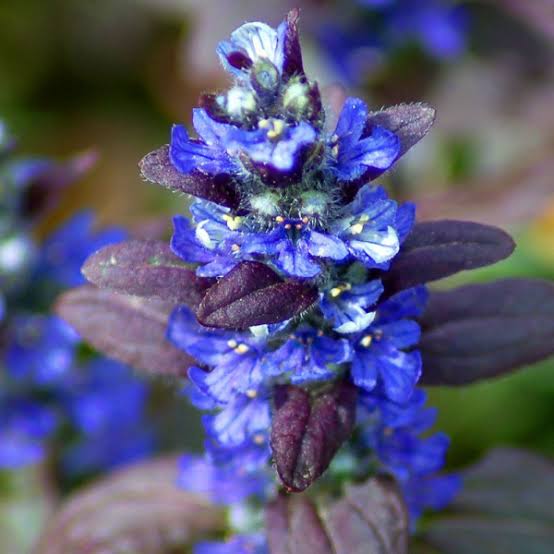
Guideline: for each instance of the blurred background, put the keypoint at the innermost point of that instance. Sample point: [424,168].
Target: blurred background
[113,75]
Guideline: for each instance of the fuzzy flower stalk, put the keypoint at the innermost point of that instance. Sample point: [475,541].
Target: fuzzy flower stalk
[300,308]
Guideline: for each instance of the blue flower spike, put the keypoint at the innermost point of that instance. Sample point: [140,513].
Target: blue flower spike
[307,334]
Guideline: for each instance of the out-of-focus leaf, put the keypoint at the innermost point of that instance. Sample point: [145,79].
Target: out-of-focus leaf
[505,507]
[537,13]
[410,122]
[146,268]
[253,294]
[293,526]
[513,197]
[156,167]
[138,510]
[127,328]
[437,249]
[307,431]
[368,519]
[480,331]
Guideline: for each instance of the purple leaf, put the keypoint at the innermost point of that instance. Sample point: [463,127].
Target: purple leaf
[156,167]
[369,518]
[146,268]
[480,331]
[437,249]
[307,431]
[292,64]
[253,294]
[505,507]
[137,510]
[127,328]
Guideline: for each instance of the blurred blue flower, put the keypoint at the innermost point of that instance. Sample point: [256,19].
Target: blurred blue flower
[66,249]
[41,350]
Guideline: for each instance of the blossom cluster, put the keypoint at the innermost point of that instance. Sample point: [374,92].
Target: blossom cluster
[291,213]
[48,386]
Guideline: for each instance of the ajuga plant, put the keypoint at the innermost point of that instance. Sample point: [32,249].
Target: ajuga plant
[300,312]
[57,402]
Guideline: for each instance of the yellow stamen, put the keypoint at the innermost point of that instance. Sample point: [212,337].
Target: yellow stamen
[242,349]
[366,341]
[251,393]
[232,222]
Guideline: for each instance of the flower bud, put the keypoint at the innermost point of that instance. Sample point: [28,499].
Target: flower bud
[265,78]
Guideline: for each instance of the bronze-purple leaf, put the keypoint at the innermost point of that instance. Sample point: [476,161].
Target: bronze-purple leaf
[369,518]
[437,249]
[137,510]
[505,507]
[484,330]
[146,268]
[409,122]
[308,430]
[293,526]
[253,294]
[156,167]
[128,328]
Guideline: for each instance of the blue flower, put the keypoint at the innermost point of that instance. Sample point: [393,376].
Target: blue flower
[188,154]
[239,544]
[243,420]
[379,359]
[235,358]
[274,145]
[368,227]
[358,148]
[223,484]
[41,349]
[308,356]
[346,306]
[65,250]
[294,248]
[251,43]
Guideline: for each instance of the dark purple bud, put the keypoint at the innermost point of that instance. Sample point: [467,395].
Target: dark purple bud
[481,331]
[239,60]
[156,167]
[437,249]
[146,268]
[253,294]
[127,328]
[292,64]
[138,509]
[307,431]
[369,518]
[505,506]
